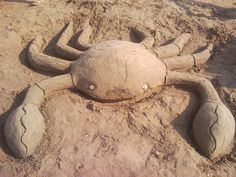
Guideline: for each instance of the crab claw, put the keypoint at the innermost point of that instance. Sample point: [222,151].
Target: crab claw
[213,129]
[24,129]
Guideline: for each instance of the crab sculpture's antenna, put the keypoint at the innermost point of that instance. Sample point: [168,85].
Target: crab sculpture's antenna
[119,70]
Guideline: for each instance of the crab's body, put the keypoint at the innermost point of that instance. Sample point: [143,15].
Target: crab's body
[117,70]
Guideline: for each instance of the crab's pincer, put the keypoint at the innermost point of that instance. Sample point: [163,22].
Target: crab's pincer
[24,129]
[213,129]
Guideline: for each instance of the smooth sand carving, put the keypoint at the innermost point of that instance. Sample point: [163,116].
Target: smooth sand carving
[119,70]
[34,2]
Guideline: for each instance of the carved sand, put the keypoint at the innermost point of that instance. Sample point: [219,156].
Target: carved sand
[115,71]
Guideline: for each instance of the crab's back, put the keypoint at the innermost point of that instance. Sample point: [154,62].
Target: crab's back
[116,70]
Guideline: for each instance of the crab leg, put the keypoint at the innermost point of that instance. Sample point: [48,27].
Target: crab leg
[61,47]
[147,39]
[214,125]
[83,40]
[44,62]
[25,126]
[173,48]
[188,61]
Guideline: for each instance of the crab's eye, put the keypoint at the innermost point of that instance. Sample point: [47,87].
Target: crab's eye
[91,87]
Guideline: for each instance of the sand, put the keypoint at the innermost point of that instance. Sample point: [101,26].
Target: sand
[88,138]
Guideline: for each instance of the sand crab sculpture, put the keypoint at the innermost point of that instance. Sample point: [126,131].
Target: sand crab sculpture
[118,70]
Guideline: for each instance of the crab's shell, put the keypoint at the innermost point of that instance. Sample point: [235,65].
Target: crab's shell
[117,70]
